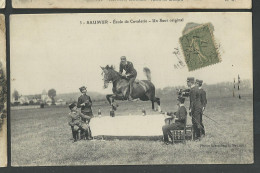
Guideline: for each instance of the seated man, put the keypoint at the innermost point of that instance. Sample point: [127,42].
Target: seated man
[76,122]
[180,118]
[170,116]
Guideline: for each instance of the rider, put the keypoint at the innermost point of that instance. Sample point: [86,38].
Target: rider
[130,73]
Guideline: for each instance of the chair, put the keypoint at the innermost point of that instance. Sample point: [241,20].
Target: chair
[181,135]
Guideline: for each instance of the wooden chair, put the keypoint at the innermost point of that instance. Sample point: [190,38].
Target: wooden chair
[181,135]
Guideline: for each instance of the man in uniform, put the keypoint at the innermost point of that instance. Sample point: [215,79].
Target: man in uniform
[195,107]
[180,118]
[130,73]
[76,122]
[85,103]
[203,100]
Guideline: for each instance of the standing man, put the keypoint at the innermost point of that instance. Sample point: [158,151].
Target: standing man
[203,99]
[130,73]
[85,103]
[195,107]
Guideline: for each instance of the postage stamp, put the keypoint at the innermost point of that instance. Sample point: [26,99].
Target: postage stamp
[198,46]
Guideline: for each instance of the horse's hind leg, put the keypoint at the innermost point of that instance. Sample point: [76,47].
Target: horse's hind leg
[152,104]
[157,100]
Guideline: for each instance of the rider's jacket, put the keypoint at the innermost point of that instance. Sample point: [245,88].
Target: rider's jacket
[129,68]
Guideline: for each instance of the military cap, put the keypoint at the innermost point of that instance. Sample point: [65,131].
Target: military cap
[123,58]
[190,79]
[72,105]
[181,99]
[199,81]
[82,88]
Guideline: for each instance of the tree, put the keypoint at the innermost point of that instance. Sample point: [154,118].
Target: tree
[16,95]
[52,94]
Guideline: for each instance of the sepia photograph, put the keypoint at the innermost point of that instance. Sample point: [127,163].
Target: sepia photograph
[131,89]
[3,95]
[2,3]
[134,4]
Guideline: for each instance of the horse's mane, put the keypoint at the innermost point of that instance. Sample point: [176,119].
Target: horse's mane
[111,67]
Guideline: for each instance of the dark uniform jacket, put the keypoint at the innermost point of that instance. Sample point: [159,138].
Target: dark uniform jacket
[129,69]
[195,102]
[181,114]
[203,97]
[88,103]
[195,106]
[75,118]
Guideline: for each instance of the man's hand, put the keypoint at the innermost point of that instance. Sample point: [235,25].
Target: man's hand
[82,104]
[203,109]
[189,112]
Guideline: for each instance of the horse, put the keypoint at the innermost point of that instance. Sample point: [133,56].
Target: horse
[142,89]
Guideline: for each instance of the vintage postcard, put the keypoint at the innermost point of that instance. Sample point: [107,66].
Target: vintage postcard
[175,4]
[3,95]
[131,89]
[2,3]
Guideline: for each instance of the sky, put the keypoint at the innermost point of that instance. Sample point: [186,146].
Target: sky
[56,51]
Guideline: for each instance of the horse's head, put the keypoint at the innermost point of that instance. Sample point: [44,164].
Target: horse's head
[109,75]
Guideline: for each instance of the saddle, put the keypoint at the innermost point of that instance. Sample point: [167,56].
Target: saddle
[142,84]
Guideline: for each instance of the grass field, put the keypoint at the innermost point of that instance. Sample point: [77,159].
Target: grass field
[43,137]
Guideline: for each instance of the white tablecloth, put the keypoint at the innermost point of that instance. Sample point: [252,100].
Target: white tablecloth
[132,125]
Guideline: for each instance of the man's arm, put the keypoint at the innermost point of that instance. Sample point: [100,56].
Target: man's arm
[90,102]
[204,95]
[79,102]
[70,121]
[84,116]
[131,68]
[203,100]
[192,98]
[121,68]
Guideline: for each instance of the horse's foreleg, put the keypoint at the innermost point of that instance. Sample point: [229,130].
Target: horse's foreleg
[108,97]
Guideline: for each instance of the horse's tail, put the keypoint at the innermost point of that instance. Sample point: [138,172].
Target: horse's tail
[147,73]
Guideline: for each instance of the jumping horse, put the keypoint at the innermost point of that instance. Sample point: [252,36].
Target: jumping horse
[142,89]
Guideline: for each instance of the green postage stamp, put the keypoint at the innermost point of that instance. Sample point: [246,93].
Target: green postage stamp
[198,46]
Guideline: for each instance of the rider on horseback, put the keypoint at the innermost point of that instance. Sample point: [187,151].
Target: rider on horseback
[130,73]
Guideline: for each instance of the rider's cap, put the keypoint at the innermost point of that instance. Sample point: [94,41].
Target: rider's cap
[82,88]
[123,58]
[181,99]
[72,105]
[190,79]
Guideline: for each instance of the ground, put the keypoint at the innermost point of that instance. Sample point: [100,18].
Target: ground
[42,137]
